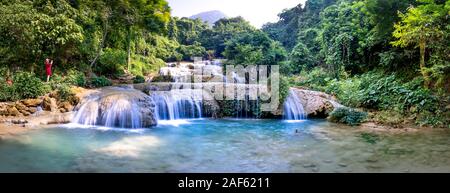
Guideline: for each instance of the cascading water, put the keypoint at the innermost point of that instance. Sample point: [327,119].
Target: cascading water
[171,105]
[293,108]
[116,107]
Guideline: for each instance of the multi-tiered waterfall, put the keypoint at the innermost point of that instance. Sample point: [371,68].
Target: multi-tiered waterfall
[141,106]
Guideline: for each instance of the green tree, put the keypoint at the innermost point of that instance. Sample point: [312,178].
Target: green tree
[137,15]
[344,31]
[222,31]
[186,31]
[300,59]
[254,48]
[421,26]
[33,30]
[190,51]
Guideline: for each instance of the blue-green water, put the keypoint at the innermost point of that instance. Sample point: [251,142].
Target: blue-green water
[225,146]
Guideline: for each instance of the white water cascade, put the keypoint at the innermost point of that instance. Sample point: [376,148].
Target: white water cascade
[293,108]
[115,107]
[174,105]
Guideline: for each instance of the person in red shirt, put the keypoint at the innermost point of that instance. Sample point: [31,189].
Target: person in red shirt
[48,68]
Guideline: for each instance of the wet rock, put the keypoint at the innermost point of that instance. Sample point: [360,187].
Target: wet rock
[21,107]
[371,160]
[49,104]
[32,110]
[25,113]
[147,110]
[32,102]
[211,108]
[316,104]
[52,118]
[19,121]
[12,111]
[65,107]
[3,109]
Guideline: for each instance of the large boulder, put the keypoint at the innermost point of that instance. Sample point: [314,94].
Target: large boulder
[316,104]
[12,111]
[32,102]
[32,110]
[21,107]
[49,104]
[3,109]
[211,108]
[147,110]
[65,107]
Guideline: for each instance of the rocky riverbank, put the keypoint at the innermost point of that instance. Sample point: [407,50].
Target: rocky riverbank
[17,125]
[316,104]
[23,115]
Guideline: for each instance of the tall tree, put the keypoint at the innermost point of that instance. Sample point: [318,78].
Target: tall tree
[136,15]
[224,30]
[421,26]
[33,30]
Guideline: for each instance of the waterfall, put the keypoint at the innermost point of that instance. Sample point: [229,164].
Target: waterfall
[115,107]
[236,78]
[172,105]
[122,113]
[293,108]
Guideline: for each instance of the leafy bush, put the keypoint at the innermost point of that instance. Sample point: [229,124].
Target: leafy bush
[434,119]
[392,118]
[100,81]
[112,62]
[390,94]
[347,91]
[76,78]
[27,85]
[189,51]
[7,93]
[163,79]
[316,79]
[284,88]
[64,93]
[347,116]
[381,92]
[143,66]
[300,58]
[139,79]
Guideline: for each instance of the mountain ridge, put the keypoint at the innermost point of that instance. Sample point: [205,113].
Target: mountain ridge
[209,17]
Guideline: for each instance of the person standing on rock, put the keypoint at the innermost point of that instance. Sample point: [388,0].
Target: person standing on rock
[48,68]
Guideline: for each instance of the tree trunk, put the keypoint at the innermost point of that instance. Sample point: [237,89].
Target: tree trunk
[425,74]
[129,49]
[102,43]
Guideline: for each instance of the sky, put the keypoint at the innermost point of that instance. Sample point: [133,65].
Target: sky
[257,12]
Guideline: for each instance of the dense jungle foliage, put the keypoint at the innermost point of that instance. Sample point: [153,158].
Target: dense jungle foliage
[384,56]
